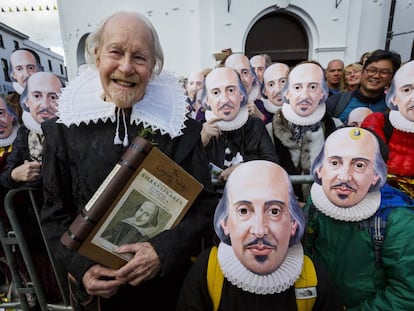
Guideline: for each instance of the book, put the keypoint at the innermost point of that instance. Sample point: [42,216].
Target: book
[158,186]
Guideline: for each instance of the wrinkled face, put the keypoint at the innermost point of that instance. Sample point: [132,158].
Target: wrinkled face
[44,89]
[274,79]
[334,73]
[195,83]
[125,60]
[404,95]
[258,63]
[352,76]
[241,64]
[347,173]
[144,214]
[376,77]
[24,65]
[6,121]
[259,223]
[305,89]
[223,93]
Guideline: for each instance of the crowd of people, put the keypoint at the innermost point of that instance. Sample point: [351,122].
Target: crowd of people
[241,129]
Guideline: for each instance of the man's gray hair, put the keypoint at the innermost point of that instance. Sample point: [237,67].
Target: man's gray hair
[94,43]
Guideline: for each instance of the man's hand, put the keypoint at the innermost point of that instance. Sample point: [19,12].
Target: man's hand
[254,111]
[100,281]
[210,129]
[143,266]
[28,171]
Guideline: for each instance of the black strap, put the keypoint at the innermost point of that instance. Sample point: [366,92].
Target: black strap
[343,101]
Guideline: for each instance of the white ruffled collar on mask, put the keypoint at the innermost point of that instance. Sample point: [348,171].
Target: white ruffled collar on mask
[4,142]
[363,210]
[232,125]
[276,282]
[398,121]
[313,118]
[18,88]
[269,106]
[31,123]
[162,107]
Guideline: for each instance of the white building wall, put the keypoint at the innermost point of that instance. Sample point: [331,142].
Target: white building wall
[192,30]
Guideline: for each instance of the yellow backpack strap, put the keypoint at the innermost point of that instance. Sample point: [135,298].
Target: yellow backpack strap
[215,278]
[305,286]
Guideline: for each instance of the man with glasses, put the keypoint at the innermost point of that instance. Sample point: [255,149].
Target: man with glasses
[377,74]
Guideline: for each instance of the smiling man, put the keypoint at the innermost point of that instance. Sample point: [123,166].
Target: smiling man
[358,226]
[260,224]
[396,128]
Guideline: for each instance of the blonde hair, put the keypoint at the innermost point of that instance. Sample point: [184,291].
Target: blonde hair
[354,66]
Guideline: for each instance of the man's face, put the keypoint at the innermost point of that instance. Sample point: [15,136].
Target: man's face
[125,60]
[195,83]
[334,73]
[258,63]
[305,89]
[376,77]
[241,64]
[24,65]
[404,94]
[43,92]
[6,121]
[223,93]
[259,223]
[144,214]
[275,78]
[348,172]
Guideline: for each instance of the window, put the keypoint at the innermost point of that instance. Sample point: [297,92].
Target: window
[61,69]
[1,42]
[50,65]
[5,67]
[16,44]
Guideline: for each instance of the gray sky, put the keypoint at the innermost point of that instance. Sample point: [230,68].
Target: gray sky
[41,26]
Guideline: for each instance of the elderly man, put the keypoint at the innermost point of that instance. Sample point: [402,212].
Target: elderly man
[358,226]
[259,258]
[333,74]
[241,64]
[123,93]
[396,128]
[229,134]
[301,125]
[23,63]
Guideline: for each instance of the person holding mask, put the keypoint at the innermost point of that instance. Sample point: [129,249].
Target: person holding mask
[358,226]
[120,94]
[260,224]
[396,129]
[39,100]
[301,125]
[229,134]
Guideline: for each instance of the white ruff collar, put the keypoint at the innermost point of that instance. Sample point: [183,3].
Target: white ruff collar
[313,118]
[269,106]
[232,125]
[18,88]
[400,122]
[31,123]
[363,210]
[162,107]
[4,142]
[276,282]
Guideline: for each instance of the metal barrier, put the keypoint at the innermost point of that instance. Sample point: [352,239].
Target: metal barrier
[27,257]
